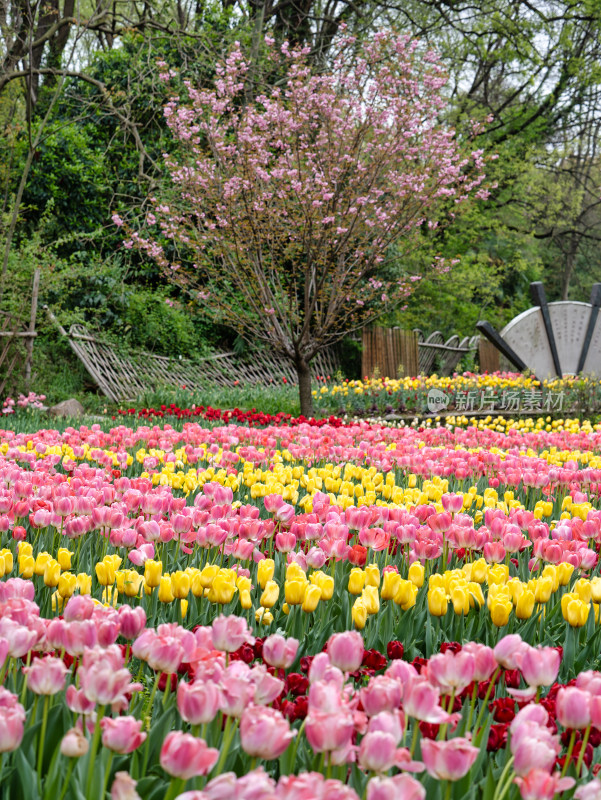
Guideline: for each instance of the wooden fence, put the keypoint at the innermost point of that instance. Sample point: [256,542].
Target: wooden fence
[17,334]
[393,352]
[125,375]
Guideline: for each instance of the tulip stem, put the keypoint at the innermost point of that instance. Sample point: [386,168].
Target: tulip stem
[174,788]
[414,738]
[447,793]
[93,749]
[583,745]
[107,775]
[485,704]
[42,738]
[67,778]
[151,698]
[472,705]
[228,735]
[499,795]
[569,753]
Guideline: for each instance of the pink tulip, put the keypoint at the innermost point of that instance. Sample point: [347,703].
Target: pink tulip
[230,633]
[533,747]
[279,652]
[185,756]
[264,732]
[453,503]
[387,722]
[399,786]
[162,653]
[46,675]
[20,639]
[12,718]
[132,621]
[381,694]
[484,660]
[451,672]
[377,752]
[448,760]
[540,665]
[102,676]
[198,702]
[508,651]
[310,786]
[122,735]
[266,686]
[589,791]
[77,702]
[346,650]
[421,701]
[539,785]
[329,731]
[573,707]
[124,787]
[285,542]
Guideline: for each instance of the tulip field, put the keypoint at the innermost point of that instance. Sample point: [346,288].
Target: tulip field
[291,610]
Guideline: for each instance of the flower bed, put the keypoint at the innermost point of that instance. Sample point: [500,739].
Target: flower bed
[300,611]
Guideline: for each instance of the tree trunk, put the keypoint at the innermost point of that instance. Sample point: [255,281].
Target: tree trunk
[304,386]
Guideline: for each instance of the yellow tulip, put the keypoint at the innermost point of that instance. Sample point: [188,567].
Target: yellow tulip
[242,583]
[52,573]
[564,572]
[26,566]
[264,616]
[500,610]
[64,557]
[294,591]
[390,584]
[8,561]
[550,571]
[461,600]
[356,580]
[417,574]
[544,589]
[84,583]
[311,598]
[183,604]
[596,589]
[152,573]
[222,589]
[359,614]
[437,601]
[372,575]
[325,583]
[498,574]
[180,585]
[479,571]
[584,590]
[57,602]
[24,549]
[40,563]
[67,583]
[165,591]
[245,600]
[476,595]
[525,605]
[196,585]
[208,575]
[105,572]
[265,571]
[574,611]
[371,599]
[271,592]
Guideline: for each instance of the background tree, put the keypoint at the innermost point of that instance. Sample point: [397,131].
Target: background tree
[288,205]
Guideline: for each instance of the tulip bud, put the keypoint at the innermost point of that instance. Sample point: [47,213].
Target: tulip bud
[265,571]
[500,609]
[74,744]
[372,575]
[180,584]
[417,574]
[584,590]
[84,583]
[525,605]
[311,598]
[165,591]
[64,557]
[245,599]
[67,583]
[460,599]
[359,614]
[356,580]
[390,585]
[437,602]
[479,571]
[40,563]
[294,592]
[152,573]
[271,592]
[52,573]
[371,599]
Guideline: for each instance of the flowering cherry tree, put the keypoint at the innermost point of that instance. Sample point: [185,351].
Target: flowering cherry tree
[290,197]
